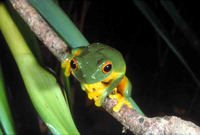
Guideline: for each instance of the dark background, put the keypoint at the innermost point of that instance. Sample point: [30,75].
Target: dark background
[161,83]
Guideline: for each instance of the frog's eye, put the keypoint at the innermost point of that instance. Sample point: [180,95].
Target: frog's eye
[73,64]
[107,67]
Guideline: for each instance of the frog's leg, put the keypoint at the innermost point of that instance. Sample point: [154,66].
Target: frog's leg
[124,88]
[115,79]
[83,87]
[94,91]
[66,62]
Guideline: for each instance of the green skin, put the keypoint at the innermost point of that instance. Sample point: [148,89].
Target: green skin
[90,62]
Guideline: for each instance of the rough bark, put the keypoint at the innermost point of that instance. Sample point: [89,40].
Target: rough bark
[138,124]
[133,121]
[41,29]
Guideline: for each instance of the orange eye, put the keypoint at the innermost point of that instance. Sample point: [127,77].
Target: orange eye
[107,67]
[73,64]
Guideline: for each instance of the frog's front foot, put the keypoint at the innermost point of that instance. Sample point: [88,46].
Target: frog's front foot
[121,100]
[97,96]
[66,64]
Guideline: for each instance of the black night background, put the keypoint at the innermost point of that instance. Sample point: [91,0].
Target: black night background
[162,84]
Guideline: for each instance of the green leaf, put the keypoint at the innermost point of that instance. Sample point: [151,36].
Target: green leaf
[67,89]
[181,24]
[42,86]
[148,13]
[60,22]
[25,30]
[5,115]
[135,106]
[1,133]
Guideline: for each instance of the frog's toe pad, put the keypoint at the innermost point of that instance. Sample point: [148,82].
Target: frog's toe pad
[96,95]
[121,100]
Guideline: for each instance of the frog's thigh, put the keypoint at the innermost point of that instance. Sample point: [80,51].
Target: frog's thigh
[125,87]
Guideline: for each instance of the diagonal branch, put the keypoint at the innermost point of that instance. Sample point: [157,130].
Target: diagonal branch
[41,29]
[139,124]
[132,120]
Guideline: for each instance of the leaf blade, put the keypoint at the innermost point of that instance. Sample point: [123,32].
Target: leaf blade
[148,13]
[42,86]
[5,116]
[60,22]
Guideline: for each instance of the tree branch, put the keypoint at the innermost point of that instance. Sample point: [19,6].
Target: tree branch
[41,29]
[132,120]
[139,124]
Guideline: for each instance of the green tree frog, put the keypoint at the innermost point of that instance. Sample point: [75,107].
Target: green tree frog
[101,72]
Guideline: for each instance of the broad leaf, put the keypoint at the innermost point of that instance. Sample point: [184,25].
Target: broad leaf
[42,87]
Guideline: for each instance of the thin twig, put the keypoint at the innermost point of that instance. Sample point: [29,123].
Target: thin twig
[133,121]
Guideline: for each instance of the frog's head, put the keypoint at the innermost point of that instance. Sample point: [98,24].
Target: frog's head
[96,62]
[91,70]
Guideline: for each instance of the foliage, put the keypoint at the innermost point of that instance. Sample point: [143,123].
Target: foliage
[42,86]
